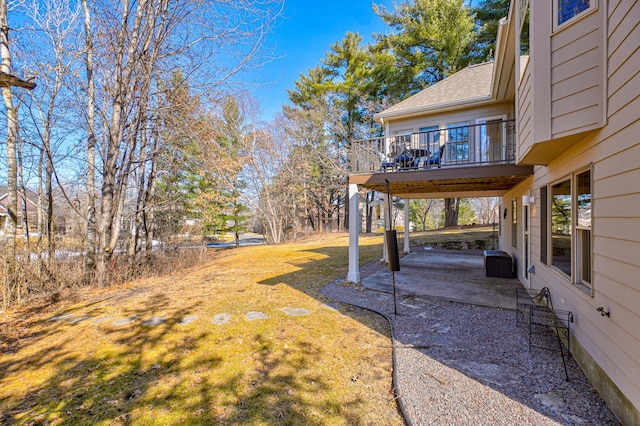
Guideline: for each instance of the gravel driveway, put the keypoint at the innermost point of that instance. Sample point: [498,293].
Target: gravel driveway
[461,364]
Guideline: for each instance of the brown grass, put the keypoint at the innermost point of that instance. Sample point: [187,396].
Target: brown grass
[330,367]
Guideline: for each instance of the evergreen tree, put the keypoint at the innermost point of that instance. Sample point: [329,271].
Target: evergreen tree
[488,14]
[430,39]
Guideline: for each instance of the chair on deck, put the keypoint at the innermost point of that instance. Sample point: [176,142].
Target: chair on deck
[414,159]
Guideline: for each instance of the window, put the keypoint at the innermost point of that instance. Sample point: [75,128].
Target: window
[543,224]
[570,223]
[561,226]
[567,10]
[400,142]
[430,137]
[458,144]
[514,223]
[525,240]
[583,229]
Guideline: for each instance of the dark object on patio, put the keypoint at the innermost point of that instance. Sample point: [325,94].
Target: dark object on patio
[498,264]
[392,250]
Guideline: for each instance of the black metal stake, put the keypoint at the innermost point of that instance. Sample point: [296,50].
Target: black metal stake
[392,251]
[393,283]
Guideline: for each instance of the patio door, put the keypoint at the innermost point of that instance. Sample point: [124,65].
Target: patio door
[490,139]
[526,243]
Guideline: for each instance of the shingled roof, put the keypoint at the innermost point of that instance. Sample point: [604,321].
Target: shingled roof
[468,85]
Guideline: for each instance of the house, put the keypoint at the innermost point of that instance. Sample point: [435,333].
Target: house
[552,127]
[27,209]
[28,215]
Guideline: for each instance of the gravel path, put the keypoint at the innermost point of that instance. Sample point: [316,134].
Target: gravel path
[460,364]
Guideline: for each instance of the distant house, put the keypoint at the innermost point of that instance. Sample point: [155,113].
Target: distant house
[27,212]
[554,131]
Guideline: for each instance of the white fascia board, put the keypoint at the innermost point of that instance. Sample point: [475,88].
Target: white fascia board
[412,112]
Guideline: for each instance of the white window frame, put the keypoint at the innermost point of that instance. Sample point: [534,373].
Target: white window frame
[593,5]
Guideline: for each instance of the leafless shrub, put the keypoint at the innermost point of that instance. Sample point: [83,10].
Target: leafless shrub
[24,278]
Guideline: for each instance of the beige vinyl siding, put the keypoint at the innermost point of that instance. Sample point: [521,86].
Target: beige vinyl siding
[623,28]
[620,74]
[525,111]
[622,98]
[624,252]
[570,118]
[622,184]
[608,207]
[576,77]
[614,152]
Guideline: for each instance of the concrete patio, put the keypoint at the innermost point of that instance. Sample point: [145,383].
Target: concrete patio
[454,277]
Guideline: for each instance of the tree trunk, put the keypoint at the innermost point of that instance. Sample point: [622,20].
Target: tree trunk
[369,211]
[9,283]
[123,71]
[48,181]
[135,243]
[451,210]
[90,260]
[12,137]
[150,193]
[346,210]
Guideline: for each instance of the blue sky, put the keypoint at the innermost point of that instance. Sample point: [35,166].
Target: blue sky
[303,36]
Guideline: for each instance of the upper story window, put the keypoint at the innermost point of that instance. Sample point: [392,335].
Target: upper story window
[458,143]
[567,10]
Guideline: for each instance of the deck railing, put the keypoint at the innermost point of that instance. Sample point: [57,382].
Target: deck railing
[488,143]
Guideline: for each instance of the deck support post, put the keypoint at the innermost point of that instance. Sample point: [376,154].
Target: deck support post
[354,231]
[386,220]
[407,248]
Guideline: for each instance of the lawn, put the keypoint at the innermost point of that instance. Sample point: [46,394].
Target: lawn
[327,367]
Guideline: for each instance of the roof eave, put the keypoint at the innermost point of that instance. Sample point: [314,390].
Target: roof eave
[504,56]
[411,112]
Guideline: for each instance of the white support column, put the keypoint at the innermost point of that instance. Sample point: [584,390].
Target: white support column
[354,231]
[387,225]
[407,248]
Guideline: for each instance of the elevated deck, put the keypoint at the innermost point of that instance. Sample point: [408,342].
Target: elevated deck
[465,161]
